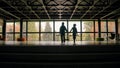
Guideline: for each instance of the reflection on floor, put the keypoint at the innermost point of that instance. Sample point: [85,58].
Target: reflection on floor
[58,43]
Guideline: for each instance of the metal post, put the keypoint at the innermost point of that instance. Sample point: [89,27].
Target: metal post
[4,29]
[21,27]
[116,29]
[99,28]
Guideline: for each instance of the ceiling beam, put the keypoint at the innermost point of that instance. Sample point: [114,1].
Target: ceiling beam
[113,12]
[95,1]
[118,14]
[15,8]
[41,1]
[9,13]
[75,9]
[30,9]
[104,8]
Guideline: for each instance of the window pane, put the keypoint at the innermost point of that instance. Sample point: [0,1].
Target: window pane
[33,37]
[96,35]
[111,26]
[57,37]
[87,36]
[104,35]
[24,34]
[96,26]
[46,36]
[24,26]
[17,36]
[33,26]
[103,26]
[1,21]
[0,29]
[58,24]
[17,26]
[24,29]
[9,37]
[46,26]
[9,26]
[87,26]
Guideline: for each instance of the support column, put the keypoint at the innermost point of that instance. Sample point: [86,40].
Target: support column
[4,29]
[116,30]
[99,28]
[99,31]
[21,27]
[67,31]
[54,30]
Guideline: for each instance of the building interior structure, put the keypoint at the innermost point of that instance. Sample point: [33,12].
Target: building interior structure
[37,23]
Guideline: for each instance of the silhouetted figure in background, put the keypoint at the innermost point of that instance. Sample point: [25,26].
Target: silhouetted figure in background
[62,32]
[74,31]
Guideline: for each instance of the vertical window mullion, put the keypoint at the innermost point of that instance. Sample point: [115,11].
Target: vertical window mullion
[40,30]
[13,30]
[94,29]
[107,28]
[26,30]
[67,31]
[54,30]
[81,30]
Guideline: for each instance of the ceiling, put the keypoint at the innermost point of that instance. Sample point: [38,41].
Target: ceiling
[59,9]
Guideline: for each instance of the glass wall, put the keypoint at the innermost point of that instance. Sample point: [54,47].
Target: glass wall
[87,30]
[48,30]
[32,30]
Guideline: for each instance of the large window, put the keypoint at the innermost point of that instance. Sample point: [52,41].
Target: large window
[48,30]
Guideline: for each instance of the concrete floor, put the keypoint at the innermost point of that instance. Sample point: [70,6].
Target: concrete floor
[58,43]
